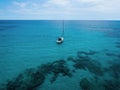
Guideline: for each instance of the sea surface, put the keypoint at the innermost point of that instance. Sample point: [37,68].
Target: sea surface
[88,59]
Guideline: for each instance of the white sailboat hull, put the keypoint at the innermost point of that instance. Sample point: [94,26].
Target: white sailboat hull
[60,40]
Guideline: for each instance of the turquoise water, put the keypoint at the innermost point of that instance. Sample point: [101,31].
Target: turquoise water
[91,51]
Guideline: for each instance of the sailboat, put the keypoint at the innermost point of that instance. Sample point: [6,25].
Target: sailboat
[61,38]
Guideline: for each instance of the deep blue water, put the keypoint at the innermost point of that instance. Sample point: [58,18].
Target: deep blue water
[28,44]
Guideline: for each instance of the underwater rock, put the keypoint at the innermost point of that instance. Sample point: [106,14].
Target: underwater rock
[112,84]
[85,84]
[56,67]
[115,68]
[60,67]
[79,65]
[112,54]
[70,58]
[92,65]
[29,80]
[46,68]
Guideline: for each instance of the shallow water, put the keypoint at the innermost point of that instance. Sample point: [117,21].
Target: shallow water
[29,44]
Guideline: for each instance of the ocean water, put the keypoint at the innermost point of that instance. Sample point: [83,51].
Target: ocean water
[88,59]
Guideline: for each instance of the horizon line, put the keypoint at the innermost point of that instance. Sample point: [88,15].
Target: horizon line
[69,19]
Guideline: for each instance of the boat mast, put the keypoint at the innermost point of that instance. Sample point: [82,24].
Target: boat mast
[63,28]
